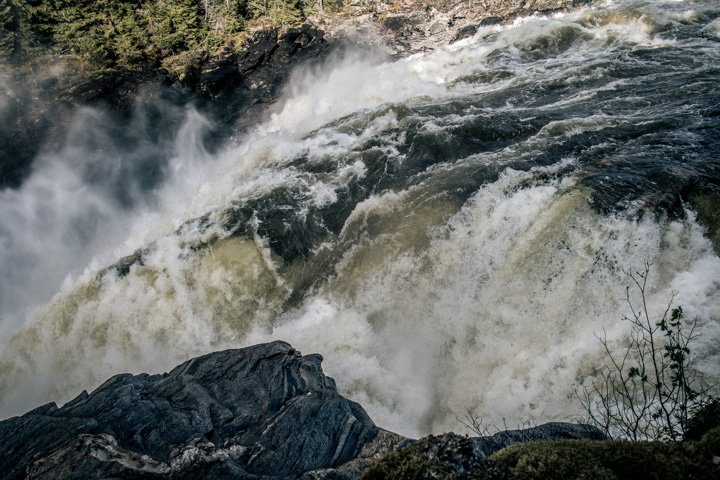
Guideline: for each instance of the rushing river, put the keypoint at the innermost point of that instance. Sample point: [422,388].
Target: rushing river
[450,231]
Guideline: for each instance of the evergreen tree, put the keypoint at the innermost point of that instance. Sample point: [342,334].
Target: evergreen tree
[8,36]
[126,33]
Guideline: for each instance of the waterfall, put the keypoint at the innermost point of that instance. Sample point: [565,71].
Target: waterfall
[450,230]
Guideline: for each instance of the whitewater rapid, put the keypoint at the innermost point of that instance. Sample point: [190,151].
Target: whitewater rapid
[450,231]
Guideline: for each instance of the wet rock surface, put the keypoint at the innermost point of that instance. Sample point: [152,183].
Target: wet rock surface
[263,411]
[237,89]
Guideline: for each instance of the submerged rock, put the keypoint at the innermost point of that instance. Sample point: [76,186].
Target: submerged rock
[263,411]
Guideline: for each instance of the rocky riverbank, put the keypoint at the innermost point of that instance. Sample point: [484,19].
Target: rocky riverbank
[267,412]
[235,87]
[409,26]
[260,412]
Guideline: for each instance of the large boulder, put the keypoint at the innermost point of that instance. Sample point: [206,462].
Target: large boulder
[263,411]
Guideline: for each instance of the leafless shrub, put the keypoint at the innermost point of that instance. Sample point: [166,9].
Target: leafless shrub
[650,390]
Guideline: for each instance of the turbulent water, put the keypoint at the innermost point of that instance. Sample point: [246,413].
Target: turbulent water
[450,230]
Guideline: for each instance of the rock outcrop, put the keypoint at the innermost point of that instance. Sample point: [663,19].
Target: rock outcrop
[553,431]
[462,457]
[259,413]
[263,411]
[238,88]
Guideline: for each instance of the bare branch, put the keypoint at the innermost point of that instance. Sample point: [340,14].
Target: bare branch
[649,390]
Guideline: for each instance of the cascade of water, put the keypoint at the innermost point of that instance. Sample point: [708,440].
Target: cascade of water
[449,230]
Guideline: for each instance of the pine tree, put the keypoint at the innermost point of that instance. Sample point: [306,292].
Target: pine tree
[8,36]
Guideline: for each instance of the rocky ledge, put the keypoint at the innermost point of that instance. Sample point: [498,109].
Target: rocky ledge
[262,412]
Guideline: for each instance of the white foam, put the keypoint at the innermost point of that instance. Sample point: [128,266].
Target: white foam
[714,28]
[499,315]
[428,312]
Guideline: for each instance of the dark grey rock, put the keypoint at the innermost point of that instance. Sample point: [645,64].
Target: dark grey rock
[237,90]
[405,25]
[465,32]
[487,21]
[234,90]
[487,445]
[259,412]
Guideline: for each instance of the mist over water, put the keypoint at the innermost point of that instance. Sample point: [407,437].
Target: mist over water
[81,202]
[449,230]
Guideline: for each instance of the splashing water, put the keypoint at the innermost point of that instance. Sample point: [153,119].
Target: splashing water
[449,230]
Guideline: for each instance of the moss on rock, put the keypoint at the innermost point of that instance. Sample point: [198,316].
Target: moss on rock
[614,459]
[452,457]
[418,461]
[703,420]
